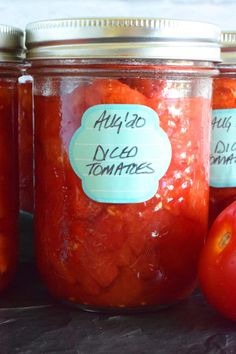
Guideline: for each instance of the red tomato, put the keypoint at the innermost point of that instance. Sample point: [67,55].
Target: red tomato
[217,268]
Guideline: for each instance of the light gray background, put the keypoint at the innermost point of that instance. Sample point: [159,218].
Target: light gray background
[20,12]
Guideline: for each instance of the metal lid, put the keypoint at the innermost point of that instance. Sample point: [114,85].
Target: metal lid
[11,44]
[228,47]
[123,38]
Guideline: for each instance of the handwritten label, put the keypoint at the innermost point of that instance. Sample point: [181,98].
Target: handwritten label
[120,153]
[223,148]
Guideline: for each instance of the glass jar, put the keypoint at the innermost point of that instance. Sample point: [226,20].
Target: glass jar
[11,54]
[25,143]
[122,123]
[223,145]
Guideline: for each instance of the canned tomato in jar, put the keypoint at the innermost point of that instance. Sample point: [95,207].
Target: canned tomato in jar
[122,125]
[223,145]
[11,55]
[25,129]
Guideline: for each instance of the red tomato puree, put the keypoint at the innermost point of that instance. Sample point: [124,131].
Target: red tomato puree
[121,255]
[224,97]
[25,146]
[8,182]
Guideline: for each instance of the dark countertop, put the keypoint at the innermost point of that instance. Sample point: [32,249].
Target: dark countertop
[32,322]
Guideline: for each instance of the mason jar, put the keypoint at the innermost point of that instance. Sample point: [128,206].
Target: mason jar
[11,55]
[122,128]
[223,145]
[25,113]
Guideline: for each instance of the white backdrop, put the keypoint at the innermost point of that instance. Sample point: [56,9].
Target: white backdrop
[20,12]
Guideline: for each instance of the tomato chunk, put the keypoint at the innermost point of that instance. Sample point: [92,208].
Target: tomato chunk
[113,254]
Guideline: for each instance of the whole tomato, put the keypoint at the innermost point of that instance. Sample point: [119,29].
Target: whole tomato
[217,267]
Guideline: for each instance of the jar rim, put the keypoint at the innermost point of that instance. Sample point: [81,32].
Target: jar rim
[123,38]
[12,47]
[228,47]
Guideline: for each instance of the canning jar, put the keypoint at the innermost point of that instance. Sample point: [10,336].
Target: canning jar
[25,142]
[11,53]
[223,145]
[122,123]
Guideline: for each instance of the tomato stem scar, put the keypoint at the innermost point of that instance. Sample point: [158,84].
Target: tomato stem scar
[225,240]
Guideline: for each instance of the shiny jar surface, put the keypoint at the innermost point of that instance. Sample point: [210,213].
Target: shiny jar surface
[25,124]
[9,200]
[11,57]
[122,138]
[223,145]
[108,255]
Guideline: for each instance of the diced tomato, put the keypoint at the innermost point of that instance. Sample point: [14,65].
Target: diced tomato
[224,93]
[224,97]
[9,204]
[25,121]
[115,255]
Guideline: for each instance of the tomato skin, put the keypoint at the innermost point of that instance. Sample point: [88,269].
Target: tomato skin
[217,266]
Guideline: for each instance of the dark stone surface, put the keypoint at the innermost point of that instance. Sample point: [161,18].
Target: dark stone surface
[32,322]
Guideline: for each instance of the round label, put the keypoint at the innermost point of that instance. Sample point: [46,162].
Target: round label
[120,152]
[223,148]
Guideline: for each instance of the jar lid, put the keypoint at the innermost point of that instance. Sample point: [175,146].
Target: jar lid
[228,47]
[123,38]
[11,44]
